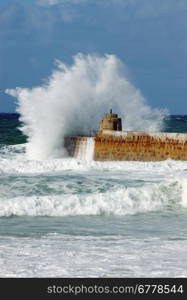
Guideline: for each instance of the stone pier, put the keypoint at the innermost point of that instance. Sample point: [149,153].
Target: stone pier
[113,143]
[140,146]
[130,145]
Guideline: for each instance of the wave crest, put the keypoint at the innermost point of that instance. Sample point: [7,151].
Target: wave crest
[73,100]
[131,200]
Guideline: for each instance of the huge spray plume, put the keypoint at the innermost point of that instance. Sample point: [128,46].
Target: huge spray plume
[73,100]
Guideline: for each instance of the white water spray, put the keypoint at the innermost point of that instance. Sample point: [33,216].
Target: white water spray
[85,150]
[74,99]
[184,192]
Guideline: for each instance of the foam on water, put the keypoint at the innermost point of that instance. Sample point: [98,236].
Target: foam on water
[117,191]
[129,200]
[13,160]
[57,255]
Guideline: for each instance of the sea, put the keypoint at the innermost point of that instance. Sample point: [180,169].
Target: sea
[68,217]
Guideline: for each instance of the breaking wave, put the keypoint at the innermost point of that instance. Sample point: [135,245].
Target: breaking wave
[73,100]
[130,200]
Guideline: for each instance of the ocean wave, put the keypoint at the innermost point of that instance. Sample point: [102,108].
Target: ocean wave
[54,110]
[123,201]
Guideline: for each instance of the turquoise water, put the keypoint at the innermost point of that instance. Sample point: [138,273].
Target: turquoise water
[71,217]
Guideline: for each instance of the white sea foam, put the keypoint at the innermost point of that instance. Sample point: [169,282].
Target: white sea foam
[130,200]
[58,255]
[107,188]
[13,160]
[24,166]
[73,100]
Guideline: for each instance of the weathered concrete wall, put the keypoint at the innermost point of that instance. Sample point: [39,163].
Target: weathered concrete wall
[138,146]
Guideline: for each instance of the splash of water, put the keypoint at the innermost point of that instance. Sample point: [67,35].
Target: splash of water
[73,100]
[85,151]
[184,192]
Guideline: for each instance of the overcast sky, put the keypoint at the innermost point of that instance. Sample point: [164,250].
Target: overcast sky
[149,36]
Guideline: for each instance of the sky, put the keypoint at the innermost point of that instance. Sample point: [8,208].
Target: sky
[148,36]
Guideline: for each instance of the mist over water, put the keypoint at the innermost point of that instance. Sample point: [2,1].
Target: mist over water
[74,98]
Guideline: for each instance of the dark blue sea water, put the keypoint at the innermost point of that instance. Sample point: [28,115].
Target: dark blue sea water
[71,217]
[11,135]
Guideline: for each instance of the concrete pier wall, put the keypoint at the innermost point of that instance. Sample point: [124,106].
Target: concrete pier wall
[137,146]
